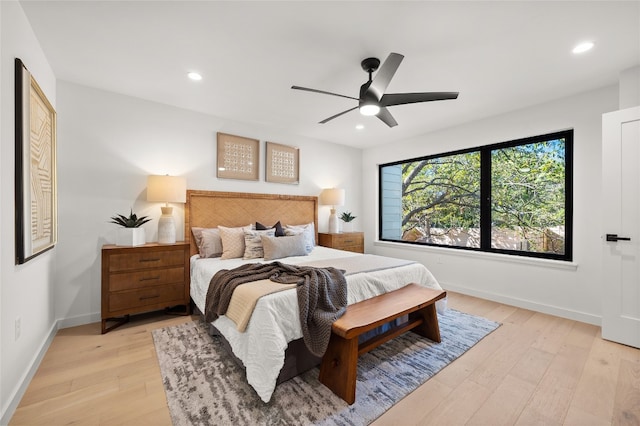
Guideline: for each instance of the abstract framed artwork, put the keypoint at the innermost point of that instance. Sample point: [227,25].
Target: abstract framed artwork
[238,157]
[282,163]
[35,168]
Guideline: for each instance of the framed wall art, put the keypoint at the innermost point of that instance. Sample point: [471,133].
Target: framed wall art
[238,157]
[35,168]
[282,163]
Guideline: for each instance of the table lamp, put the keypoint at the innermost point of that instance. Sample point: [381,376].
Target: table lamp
[332,197]
[167,189]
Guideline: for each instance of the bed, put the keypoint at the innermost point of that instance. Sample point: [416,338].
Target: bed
[270,348]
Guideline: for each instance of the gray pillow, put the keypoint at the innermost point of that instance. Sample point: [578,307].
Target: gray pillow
[208,241]
[279,247]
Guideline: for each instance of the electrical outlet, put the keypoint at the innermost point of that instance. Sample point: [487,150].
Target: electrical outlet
[18,326]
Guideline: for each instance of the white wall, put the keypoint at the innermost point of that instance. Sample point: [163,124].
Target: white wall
[107,146]
[572,290]
[630,88]
[26,291]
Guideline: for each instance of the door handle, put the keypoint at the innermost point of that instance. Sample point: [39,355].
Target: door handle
[614,237]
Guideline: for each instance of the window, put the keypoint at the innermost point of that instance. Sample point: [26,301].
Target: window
[513,197]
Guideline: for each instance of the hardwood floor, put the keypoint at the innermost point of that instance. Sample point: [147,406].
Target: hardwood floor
[534,369]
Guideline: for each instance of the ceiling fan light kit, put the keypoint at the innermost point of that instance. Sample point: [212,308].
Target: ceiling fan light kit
[369,109]
[373,100]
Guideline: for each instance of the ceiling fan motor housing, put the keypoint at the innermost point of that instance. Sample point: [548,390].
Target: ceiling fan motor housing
[367,97]
[369,65]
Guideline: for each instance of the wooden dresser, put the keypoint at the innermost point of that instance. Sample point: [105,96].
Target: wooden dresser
[350,241]
[143,278]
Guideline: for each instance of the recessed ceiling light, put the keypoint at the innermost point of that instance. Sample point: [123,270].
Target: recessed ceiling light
[194,76]
[583,47]
[359,126]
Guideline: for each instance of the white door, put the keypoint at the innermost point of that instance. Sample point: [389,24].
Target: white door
[621,229]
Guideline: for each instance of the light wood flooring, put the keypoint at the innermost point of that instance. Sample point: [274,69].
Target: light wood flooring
[535,369]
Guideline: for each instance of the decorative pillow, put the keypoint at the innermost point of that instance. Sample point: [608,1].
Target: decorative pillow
[253,243]
[277,248]
[307,230]
[197,236]
[277,227]
[208,241]
[211,243]
[232,241]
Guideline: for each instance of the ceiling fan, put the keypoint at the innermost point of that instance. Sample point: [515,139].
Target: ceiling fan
[373,100]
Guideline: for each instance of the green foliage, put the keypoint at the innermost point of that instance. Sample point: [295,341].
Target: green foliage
[528,186]
[132,221]
[527,191]
[347,217]
[443,191]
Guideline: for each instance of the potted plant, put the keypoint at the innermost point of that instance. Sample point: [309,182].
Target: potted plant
[130,234]
[347,218]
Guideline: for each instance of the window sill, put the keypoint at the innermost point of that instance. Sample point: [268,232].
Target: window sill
[504,258]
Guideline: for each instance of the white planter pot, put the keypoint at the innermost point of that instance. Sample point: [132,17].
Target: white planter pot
[130,237]
[347,226]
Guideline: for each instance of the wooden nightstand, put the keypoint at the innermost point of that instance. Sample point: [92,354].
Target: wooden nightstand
[350,241]
[142,279]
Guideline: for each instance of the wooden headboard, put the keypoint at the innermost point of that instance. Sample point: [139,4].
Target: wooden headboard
[208,209]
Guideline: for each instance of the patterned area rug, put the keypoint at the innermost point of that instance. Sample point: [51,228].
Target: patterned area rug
[205,387]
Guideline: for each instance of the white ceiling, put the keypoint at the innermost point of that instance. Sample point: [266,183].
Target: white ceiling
[500,56]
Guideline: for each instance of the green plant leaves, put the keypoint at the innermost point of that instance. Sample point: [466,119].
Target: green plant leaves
[132,221]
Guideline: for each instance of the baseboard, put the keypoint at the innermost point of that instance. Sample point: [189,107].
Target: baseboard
[79,320]
[526,304]
[18,393]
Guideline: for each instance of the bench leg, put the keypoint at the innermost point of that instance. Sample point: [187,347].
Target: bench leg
[339,366]
[429,327]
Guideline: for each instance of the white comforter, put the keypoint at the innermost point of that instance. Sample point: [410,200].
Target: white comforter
[275,321]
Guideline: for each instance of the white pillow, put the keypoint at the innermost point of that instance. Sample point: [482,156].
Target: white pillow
[309,234]
[232,241]
[279,247]
[208,241]
[253,243]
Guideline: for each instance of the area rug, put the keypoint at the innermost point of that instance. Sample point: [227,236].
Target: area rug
[204,386]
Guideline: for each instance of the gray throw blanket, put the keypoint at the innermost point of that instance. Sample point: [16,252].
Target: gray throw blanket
[322,295]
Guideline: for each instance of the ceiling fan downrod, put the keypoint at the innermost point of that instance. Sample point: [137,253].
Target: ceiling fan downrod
[370,65]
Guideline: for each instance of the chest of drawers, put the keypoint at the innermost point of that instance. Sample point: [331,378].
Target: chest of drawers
[143,278]
[350,241]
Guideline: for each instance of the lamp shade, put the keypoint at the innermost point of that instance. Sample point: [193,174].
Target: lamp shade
[167,189]
[332,197]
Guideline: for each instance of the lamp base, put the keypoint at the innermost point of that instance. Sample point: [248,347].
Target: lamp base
[334,226]
[166,227]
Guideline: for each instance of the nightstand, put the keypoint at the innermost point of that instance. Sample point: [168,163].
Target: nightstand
[350,241]
[143,278]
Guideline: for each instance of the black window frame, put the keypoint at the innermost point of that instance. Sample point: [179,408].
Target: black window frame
[485,196]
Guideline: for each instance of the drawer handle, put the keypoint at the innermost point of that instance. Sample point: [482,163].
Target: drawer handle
[149,297]
[150,260]
[348,241]
[150,278]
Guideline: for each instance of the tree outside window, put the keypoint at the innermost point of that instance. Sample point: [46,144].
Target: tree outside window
[511,197]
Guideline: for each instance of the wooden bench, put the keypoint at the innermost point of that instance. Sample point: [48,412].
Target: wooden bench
[340,361]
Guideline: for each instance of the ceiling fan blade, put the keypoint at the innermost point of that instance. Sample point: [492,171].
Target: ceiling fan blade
[322,91]
[391,99]
[338,115]
[386,116]
[385,74]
